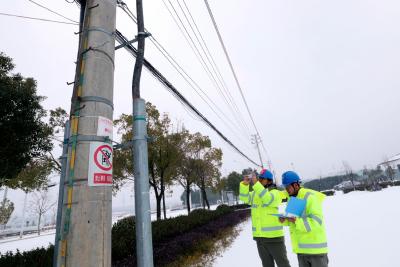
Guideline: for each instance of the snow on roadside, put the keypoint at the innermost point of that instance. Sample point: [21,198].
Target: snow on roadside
[28,242]
[361,226]
[33,241]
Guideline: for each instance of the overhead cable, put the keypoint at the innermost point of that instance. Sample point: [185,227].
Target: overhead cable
[213,63]
[189,80]
[52,11]
[121,39]
[185,32]
[40,19]
[231,65]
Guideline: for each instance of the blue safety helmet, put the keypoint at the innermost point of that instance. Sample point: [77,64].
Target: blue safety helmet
[289,178]
[266,174]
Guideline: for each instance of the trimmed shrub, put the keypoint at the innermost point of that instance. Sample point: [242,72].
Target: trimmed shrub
[123,233]
[39,257]
[193,241]
[224,208]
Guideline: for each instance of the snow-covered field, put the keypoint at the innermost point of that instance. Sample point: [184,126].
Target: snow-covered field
[362,227]
[363,230]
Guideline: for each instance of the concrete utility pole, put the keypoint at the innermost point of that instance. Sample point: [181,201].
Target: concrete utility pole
[256,140]
[86,214]
[144,243]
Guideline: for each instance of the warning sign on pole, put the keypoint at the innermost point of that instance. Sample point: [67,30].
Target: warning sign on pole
[104,127]
[100,164]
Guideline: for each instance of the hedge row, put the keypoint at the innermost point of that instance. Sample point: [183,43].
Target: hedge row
[123,232]
[40,257]
[171,238]
[188,243]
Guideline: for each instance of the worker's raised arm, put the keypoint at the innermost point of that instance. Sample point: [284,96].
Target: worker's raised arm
[269,198]
[244,188]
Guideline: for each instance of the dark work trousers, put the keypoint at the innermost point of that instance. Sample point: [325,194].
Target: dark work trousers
[272,250]
[309,260]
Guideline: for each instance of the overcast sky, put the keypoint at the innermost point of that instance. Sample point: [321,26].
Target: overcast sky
[321,77]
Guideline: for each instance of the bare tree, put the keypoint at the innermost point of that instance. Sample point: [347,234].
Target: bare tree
[40,204]
[349,173]
[388,169]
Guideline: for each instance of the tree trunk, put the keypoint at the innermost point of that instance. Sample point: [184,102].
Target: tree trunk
[352,181]
[157,194]
[205,199]
[163,194]
[188,198]
[163,200]
[158,200]
[204,195]
[202,203]
[38,227]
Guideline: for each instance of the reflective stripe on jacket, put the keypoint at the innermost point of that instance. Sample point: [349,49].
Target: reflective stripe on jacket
[308,232]
[263,202]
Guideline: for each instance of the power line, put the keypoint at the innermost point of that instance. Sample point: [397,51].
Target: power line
[52,11]
[41,19]
[206,55]
[199,56]
[189,80]
[219,75]
[121,39]
[231,65]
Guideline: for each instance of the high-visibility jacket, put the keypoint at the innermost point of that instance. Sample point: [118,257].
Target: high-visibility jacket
[263,202]
[308,232]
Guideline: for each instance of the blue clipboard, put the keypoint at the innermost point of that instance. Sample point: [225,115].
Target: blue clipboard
[295,208]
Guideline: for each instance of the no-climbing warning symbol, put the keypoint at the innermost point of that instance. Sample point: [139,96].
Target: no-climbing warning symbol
[100,164]
[102,157]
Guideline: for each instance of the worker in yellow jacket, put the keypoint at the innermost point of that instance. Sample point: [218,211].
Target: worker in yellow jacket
[267,229]
[308,231]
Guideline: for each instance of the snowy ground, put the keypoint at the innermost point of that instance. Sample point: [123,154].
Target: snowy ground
[362,227]
[362,230]
[29,242]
